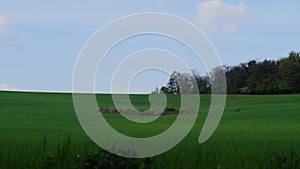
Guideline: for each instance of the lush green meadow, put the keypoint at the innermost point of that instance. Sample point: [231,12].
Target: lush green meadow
[41,130]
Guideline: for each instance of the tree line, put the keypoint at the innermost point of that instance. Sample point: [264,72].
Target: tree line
[267,77]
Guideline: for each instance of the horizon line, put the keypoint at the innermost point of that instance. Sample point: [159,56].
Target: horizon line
[64,92]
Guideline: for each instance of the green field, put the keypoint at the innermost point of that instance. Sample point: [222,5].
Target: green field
[35,129]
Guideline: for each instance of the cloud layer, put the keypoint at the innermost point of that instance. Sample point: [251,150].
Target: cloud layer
[217,16]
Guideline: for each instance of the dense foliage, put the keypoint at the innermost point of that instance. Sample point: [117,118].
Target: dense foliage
[266,77]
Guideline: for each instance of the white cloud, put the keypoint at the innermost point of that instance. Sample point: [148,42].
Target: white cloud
[6,33]
[3,26]
[7,87]
[216,15]
[230,27]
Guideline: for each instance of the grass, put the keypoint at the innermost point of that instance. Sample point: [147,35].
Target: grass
[40,130]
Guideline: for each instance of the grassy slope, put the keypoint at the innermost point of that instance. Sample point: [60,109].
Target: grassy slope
[265,124]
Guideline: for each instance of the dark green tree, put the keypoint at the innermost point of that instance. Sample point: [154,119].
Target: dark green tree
[236,78]
[263,77]
[203,82]
[289,69]
[172,86]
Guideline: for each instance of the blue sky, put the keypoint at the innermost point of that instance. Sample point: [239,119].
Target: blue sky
[40,40]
